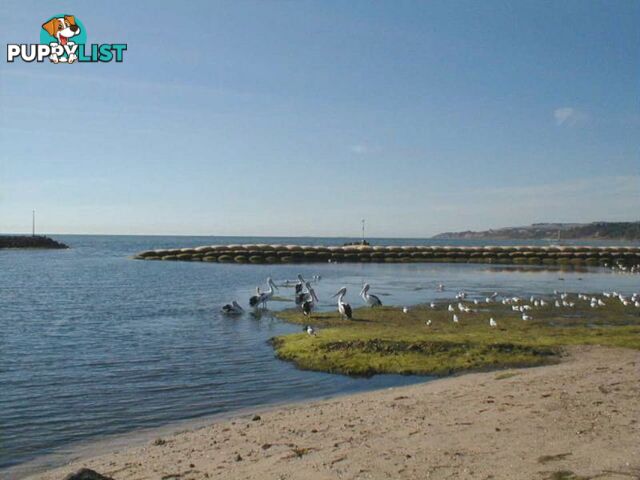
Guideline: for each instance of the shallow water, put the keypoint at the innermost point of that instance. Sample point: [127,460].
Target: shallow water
[94,343]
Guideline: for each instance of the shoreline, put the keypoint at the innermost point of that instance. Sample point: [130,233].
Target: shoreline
[576,416]
[91,448]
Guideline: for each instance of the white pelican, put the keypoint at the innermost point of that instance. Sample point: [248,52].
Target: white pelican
[309,301]
[264,297]
[492,323]
[255,300]
[369,299]
[310,331]
[232,308]
[343,308]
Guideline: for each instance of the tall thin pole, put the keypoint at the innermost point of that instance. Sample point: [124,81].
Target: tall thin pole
[33,223]
[363,231]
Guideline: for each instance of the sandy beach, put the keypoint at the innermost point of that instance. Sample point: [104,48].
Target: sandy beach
[576,419]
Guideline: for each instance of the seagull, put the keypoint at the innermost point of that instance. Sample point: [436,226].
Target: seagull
[451,309]
[428,323]
[369,299]
[432,305]
[492,323]
[455,318]
[405,310]
[310,331]
[526,317]
[440,287]
[343,308]
[232,308]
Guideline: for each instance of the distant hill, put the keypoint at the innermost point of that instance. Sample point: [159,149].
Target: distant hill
[568,231]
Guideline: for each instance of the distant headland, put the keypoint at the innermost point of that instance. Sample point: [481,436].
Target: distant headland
[554,231]
[29,241]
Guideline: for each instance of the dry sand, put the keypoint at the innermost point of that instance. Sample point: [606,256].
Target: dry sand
[581,415]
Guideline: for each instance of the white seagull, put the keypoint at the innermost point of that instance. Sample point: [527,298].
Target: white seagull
[492,323]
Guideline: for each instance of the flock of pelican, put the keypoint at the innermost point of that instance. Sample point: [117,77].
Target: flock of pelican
[305,299]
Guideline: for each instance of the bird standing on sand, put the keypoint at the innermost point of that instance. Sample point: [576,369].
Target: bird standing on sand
[369,299]
[232,308]
[343,308]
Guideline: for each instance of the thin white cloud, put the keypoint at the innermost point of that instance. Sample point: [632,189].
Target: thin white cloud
[362,149]
[569,116]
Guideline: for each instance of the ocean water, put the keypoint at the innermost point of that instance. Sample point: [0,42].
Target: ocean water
[94,344]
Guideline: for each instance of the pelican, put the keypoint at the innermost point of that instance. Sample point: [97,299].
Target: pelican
[492,323]
[232,308]
[310,299]
[300,284]
[343,308]
[310,331]
[264,297]
[369,299]
[255,300]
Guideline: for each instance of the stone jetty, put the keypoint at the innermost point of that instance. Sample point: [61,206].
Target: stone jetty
[29,241]
[523,255]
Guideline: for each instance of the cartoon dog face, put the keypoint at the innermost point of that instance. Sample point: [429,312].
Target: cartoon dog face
[62,28]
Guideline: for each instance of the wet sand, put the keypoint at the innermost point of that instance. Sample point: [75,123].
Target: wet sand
[581,415]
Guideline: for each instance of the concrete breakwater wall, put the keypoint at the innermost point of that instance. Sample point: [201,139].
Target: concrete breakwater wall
[272,254]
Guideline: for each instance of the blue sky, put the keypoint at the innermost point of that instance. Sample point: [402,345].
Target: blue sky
[302,117]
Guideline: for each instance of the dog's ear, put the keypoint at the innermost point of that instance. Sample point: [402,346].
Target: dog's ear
[51,26]
[71,19]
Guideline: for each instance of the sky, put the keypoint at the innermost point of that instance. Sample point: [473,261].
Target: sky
[300,118]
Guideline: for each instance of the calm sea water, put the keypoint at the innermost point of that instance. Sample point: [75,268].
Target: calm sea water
[93,343]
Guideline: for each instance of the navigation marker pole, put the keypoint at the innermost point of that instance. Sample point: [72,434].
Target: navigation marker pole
[33,223]
[363,231]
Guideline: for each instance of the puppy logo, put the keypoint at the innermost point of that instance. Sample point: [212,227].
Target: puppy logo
[63,39]
[63,29]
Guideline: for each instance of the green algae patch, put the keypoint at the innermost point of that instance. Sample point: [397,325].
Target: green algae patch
[386,340]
